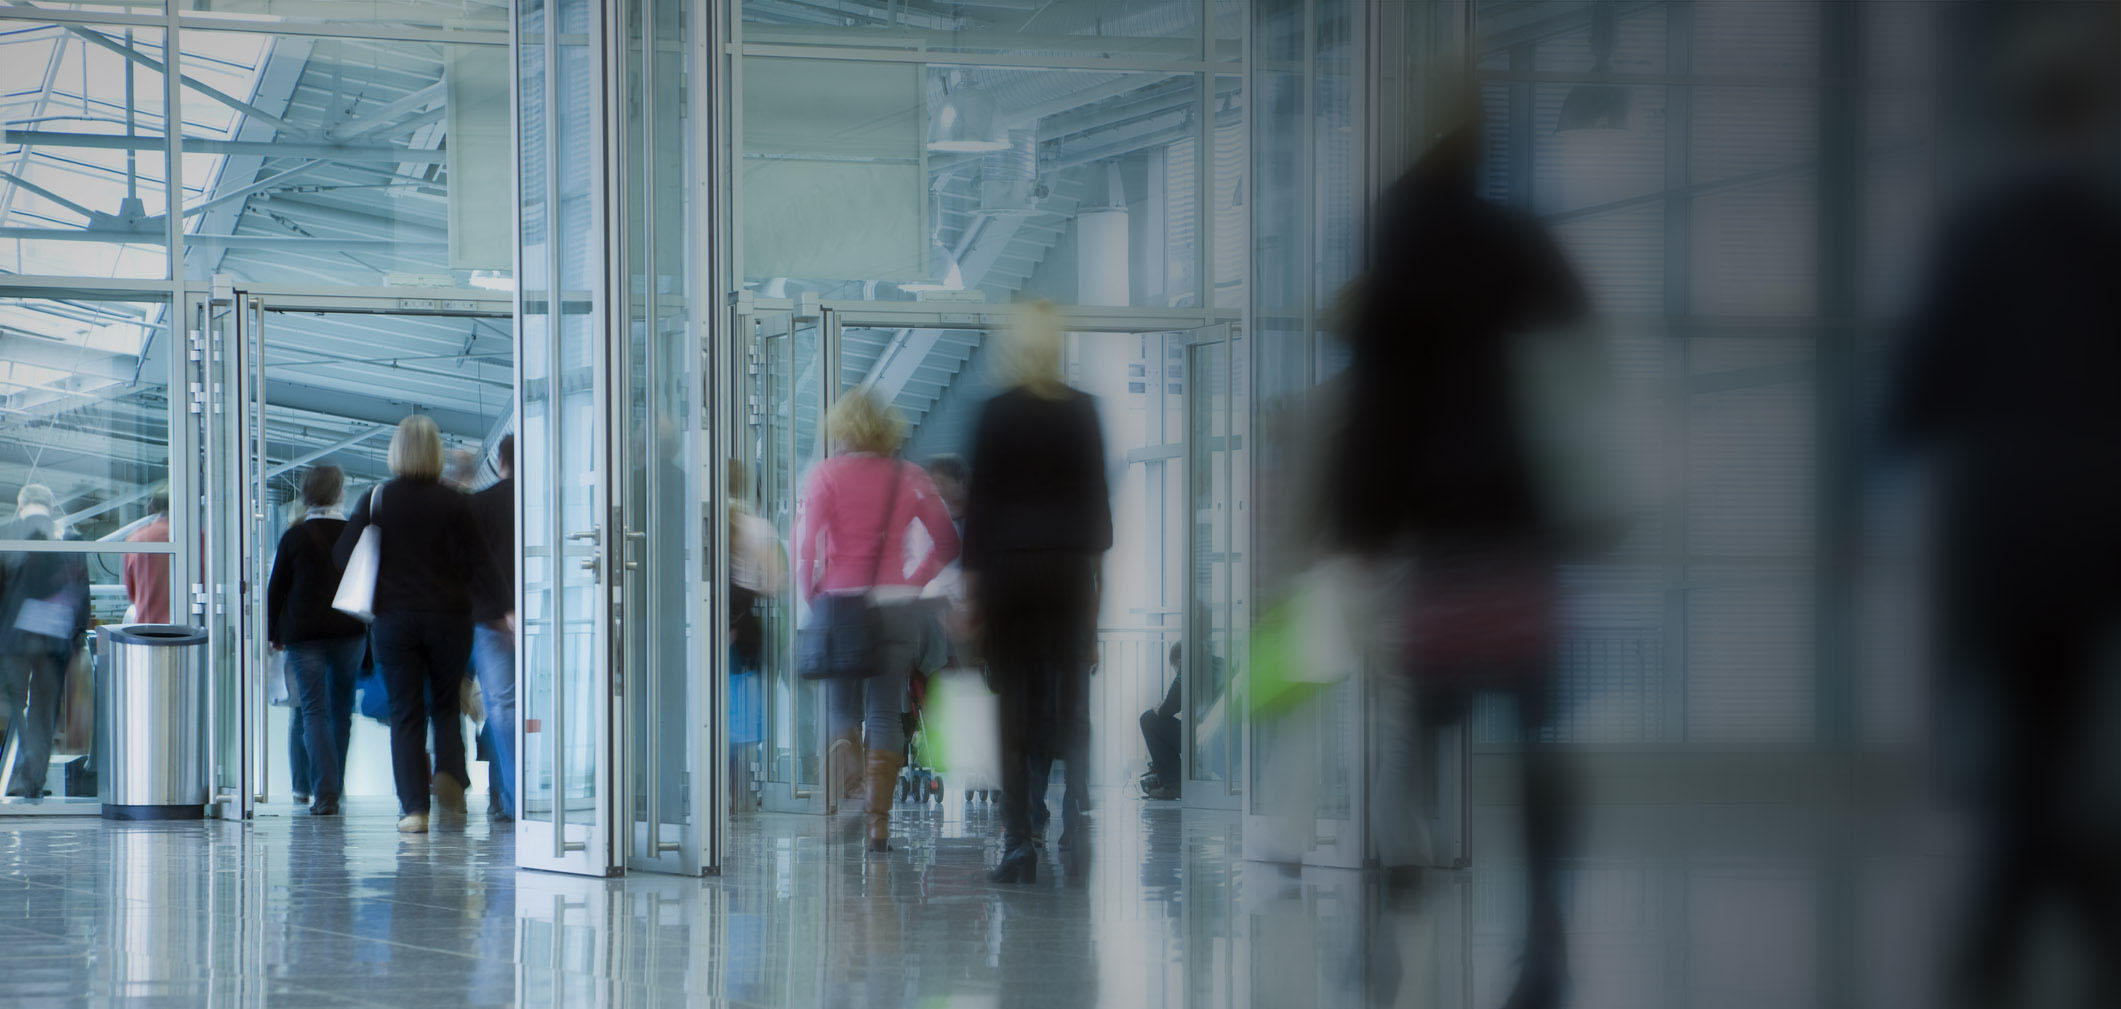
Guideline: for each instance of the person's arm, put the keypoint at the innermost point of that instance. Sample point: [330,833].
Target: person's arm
[817,498]
[356,522]
[475,552]
[934,516]
[276,587]
[1097,493]
[979,496]
[1170,706]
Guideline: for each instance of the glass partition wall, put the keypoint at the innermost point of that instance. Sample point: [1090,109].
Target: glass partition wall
[896,179]
[157,160]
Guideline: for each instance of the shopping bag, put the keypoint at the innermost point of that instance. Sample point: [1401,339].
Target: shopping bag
[374,699]
[963,730]
[357,586]
[471,701]
[277,692]
[1313,638]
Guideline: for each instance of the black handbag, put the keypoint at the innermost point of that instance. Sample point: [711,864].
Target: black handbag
[840,641]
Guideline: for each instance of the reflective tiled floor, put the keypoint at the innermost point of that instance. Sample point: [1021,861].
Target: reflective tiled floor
[301,912]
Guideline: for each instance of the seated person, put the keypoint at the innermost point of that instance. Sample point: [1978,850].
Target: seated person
[1160,729]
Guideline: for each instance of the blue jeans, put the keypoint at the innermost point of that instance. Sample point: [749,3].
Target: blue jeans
[320,675]
[493,657]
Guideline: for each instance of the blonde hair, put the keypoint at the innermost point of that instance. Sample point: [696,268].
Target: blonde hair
[862,422]
[416,450]
[1032,351]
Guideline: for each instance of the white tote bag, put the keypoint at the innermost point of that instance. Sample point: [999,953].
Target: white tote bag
[357,586]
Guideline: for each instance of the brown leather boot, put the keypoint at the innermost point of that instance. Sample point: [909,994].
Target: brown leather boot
[882,775]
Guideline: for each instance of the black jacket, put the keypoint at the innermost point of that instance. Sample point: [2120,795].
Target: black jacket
[1038,480]
[49,578]
[433,550]
[305,577]
[1431,443]
[496,510]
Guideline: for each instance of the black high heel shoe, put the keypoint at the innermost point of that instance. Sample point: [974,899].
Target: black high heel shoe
[1019,865]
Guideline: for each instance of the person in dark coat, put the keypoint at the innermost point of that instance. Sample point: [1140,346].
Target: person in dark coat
[2007,387]
[434,558]
[1038,520]
[44,614]
[322,646]
[1432,466]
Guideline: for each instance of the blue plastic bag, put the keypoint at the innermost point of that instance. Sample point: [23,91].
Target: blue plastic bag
[372,700]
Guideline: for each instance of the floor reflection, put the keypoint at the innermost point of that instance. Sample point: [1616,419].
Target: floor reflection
[297,911]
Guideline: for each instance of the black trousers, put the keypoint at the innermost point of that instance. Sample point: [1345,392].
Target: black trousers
[423,657]
[1162,734]
[1040,610]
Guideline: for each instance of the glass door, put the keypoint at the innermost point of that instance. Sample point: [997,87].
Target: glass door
[226,358]
[1213,702]
[663,556]
[568,624]
[777,719]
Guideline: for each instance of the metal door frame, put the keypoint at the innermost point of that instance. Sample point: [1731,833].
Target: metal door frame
[1234,707]
[253,305]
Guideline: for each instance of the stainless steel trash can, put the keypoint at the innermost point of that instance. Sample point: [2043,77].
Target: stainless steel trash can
[151,722]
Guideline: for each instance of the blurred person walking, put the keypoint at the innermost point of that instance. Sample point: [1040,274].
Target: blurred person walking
[322,646]
[758,571]
[2007,388]
[1038,519]
[493,636]
[433,555]
[857,508]
[44,613]
[1433,469]
[146,576]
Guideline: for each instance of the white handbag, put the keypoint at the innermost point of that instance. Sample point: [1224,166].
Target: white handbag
[277,693]
[357,586]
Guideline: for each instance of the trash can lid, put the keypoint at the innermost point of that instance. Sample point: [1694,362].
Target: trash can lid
[158,635]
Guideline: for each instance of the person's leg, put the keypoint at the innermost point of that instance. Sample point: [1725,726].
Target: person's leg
[14,695]
[308,679]
[343,666]
[494,655]
[301,777]
[882,728]
[844,702]
[448,644]
[399,653]
[1546,839]
[47,680]
[1073,720]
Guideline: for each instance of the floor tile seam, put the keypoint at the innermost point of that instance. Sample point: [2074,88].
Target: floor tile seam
[395,944]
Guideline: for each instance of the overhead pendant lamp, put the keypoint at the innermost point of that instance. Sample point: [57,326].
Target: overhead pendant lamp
[964,122]
[1597,106]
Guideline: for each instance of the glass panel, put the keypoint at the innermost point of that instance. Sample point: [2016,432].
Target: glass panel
[293,177]
[1077,30]
[534,449]
[968,183]
[664,527]
[47,681]
[84,409]
[1217,735]
[578,415]
[84,160]
[463,14]
[796,707]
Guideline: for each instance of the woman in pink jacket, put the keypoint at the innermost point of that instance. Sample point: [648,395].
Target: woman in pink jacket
[858,510]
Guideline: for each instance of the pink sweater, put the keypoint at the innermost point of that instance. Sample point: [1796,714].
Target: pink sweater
[842,511]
